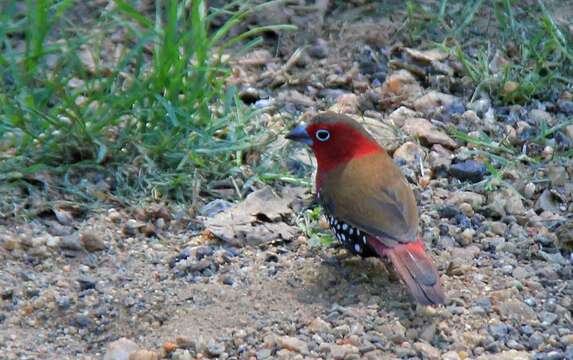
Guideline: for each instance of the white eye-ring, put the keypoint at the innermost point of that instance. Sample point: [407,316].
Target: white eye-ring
[322,135]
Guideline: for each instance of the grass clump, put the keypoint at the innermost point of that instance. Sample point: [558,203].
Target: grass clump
[309,224]
[515,50]
[150,109]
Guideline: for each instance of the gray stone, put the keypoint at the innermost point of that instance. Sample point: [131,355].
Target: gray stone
[548,318]
[264,354]
[469,170]
[547,201]
[181,354]
[215,348]
[499,331]
[554,355]
[517,310]
[569,352]
[71,242]
[536,340]
[554,258]
[120,349]
[427,351]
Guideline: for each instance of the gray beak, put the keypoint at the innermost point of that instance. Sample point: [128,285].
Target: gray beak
[299,134]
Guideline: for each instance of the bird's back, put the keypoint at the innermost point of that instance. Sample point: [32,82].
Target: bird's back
[371,194]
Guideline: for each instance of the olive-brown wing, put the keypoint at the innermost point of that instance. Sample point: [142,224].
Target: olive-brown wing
[371,194]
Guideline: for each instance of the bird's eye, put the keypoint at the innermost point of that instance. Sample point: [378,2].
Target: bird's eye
[322,135]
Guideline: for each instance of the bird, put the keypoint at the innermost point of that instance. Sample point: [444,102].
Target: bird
[367,201]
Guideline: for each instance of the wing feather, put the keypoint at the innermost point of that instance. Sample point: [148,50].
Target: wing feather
[371,194]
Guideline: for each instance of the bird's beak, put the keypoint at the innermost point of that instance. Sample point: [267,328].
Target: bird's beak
[299,134]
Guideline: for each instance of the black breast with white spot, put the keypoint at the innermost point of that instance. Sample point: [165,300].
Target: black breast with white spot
[350,237]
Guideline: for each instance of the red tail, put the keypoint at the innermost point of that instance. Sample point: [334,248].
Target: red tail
[416,270]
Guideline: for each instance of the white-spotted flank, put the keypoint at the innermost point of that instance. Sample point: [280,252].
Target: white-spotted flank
[349,237]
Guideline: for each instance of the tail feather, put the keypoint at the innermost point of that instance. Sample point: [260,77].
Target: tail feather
[417,271]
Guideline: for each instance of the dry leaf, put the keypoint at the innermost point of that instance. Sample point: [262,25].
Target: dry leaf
[261,218]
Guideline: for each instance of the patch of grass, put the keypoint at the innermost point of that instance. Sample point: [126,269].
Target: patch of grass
[484,141]
[546,132]
[515,50]
[308,223]
[150,109]
[497,157]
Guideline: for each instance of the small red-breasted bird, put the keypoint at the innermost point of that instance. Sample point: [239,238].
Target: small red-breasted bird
[369,206]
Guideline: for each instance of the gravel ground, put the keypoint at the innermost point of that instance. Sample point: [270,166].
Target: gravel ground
[150,282]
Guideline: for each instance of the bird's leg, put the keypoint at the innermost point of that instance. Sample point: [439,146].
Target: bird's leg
[387,265]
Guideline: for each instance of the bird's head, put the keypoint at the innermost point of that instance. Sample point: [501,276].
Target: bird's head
[335,139]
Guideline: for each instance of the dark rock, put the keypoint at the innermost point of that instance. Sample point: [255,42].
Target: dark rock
[233,252]
[444,229]
[484,302]
[470,170]
[71,242]
[2,317]
[183,254]
[32,293]
[536,340]
[215,348]
[526,330]
[63,303]
[7,294]
[82,321]
[448,212]
[441,171]
[463,221]
[457,107]
[249,95]
[271,257]
[228,280]
[373,64]
[493,347]
[499,331]
[565,106]
[203,251]
[318,51]
[86,283]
